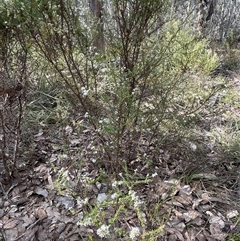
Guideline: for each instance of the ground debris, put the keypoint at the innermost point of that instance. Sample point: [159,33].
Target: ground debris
[48,203]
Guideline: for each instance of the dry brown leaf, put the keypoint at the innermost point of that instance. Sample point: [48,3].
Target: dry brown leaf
[217,221]
[11,224]
[29,234]
[11,234]
[49,178]
[177,213]
[172,237]
[198,221]
[184,199]
[42,234]
[41,168]
[41,213]
[206,197]
[27,221]
[232,214]
[175,233]
[196,203]
[201,237]
[190,215]
[208,235]
[206,176]
[185,190]
[180,227]
[178,204]
[191,234]
[5,218]
[217,233]
[40,191]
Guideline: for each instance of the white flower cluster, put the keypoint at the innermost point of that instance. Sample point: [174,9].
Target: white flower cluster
[84,91]
[86,222]
[117,183]
[86,115]
[135,232]
[114,195]
[154,174]
[103,231]
[135,199]
[81,202]
[149,106]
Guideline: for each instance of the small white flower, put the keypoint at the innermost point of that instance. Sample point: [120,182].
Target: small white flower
[154,174]
[137,203]
[117,183]
[114,184]
[120,183]
[103,70]
[86,222]
[135,198]
[133,195]
[86,115]
[135,232]
[84,91]
[114,195]
[98,130]
[68,130]
[103,231]
[106,120]
[94,160]
[81,202]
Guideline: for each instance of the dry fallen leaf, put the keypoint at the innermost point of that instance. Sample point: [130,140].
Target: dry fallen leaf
[184,199]
[40,191]
[178,204]
[11,224]
[232,214]
[198,221]
[217,233]
[186,189]
[217,221]
[41,213]
[5,218]
[175,234]
[190,215]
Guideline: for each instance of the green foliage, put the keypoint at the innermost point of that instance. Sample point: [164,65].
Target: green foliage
[231,59]
[229,139]
[225,132]
[232,39]
[122,203]
[166,72]
[187,53]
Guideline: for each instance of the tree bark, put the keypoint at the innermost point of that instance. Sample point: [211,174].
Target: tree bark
[205,12]
[96,7]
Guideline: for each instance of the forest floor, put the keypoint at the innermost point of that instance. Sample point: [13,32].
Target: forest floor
[62,192]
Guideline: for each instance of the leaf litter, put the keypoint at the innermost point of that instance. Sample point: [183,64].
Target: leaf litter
[40,207]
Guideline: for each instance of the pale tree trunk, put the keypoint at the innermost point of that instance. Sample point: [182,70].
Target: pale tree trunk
[96,7]
[205,12]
